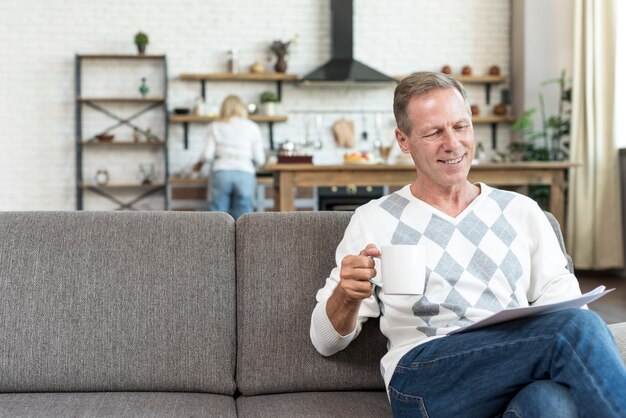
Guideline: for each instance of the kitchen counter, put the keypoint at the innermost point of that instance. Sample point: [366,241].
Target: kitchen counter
[521,174]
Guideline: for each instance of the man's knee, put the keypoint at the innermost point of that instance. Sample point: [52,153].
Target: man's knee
[542,398]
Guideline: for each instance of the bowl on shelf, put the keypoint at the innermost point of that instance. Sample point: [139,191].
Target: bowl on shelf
[181,110]
[105,137]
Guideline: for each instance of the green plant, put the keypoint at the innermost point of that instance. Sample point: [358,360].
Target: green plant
[141,38]
[550,142]
[269,97]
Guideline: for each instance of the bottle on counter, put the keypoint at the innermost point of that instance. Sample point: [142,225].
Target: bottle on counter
[233,61]
[199,107]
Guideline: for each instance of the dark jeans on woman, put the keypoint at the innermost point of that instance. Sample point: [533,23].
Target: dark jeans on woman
[479,373]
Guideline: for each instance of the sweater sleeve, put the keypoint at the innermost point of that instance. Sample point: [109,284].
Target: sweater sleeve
[258,154]
[324,337]
[550,279]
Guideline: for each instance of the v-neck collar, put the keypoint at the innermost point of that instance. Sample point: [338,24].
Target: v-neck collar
[406,192]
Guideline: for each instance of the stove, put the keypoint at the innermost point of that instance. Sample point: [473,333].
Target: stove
[346,198]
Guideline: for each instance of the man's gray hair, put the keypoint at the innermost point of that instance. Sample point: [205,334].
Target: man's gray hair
[416,85]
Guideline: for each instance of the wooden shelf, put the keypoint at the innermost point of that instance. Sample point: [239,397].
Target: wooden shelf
[187,180]
[121,56]
[207,119]
[124,143]
[472,79]
[480,119]
[122,187]
[156,99]
[239,76]
[480,79]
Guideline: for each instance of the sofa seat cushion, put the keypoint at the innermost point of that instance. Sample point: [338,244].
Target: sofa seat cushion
[116,404]
[315,404]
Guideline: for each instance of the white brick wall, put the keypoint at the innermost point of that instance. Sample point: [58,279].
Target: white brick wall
[38,41]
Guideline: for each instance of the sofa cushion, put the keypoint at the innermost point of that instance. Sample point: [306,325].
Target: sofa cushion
[619,333]
[315,404]
[117,301]
[116,404]
[282,261]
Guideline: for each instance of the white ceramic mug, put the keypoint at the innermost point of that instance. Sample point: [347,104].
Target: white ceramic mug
[403,269]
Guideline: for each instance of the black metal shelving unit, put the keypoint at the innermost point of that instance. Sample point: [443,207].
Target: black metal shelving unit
[99,104]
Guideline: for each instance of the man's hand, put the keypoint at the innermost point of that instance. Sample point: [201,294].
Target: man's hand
[342,307]
[197,166]
[356,270]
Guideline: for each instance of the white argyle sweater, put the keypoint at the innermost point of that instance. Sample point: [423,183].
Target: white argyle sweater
[500,252]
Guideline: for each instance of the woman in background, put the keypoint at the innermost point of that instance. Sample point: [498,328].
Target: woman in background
[235,146]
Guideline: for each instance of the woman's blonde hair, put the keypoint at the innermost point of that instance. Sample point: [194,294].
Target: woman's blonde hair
[233,106]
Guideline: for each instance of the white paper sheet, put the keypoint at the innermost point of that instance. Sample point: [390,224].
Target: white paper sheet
[515,313]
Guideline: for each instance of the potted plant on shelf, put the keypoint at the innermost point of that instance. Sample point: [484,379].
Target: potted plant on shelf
[268,102]
[141,40]
[281,49]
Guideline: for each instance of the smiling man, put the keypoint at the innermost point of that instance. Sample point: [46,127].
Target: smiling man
[485,250]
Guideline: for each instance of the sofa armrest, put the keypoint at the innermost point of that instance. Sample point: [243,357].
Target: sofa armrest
[619,332]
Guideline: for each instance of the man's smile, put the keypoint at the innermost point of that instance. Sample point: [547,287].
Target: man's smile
[453,161]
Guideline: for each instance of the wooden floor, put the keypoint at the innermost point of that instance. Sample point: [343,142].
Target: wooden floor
[612,307]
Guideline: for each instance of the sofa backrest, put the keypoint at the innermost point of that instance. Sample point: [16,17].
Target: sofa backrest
[117,301]
[282,260]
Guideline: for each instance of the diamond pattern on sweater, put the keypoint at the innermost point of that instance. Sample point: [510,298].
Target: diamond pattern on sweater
[425,309]
[488,301]
[395,204]
[405,235]
[449,269]
[482,266]
[501,197]
[512,269]
[439,231]
[473,264]
[473,228]
[503,230]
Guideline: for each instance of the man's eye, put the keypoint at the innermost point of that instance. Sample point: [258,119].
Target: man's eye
[431,134]
[461,127]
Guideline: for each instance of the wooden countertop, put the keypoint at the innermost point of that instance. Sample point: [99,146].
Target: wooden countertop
[534,165]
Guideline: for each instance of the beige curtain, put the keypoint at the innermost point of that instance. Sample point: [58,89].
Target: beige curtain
[594,231]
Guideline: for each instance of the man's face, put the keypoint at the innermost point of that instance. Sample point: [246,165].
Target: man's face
[442,139]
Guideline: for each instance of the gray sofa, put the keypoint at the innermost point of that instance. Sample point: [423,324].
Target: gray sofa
[176,314]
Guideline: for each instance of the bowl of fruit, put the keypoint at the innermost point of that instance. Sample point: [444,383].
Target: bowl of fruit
[357,157]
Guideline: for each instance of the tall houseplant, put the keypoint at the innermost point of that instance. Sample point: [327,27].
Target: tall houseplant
[550,141]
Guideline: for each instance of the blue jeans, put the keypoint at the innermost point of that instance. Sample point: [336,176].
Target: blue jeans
[478,373]
[232,191]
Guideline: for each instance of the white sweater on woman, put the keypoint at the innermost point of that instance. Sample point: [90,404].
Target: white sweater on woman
[500,252]
[235,144]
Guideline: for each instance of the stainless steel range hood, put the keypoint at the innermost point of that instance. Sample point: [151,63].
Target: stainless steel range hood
[342,67]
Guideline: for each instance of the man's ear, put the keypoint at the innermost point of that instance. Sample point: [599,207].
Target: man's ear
[403,141]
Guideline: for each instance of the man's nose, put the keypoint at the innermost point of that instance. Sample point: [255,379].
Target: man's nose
[449,139]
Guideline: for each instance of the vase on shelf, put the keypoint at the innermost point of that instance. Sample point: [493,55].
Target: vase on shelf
[281,63]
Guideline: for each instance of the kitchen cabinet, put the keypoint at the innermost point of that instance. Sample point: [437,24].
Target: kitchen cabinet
[203,78]
[106,105]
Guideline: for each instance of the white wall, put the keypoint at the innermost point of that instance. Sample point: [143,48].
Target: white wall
[38,41]
[543,47]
